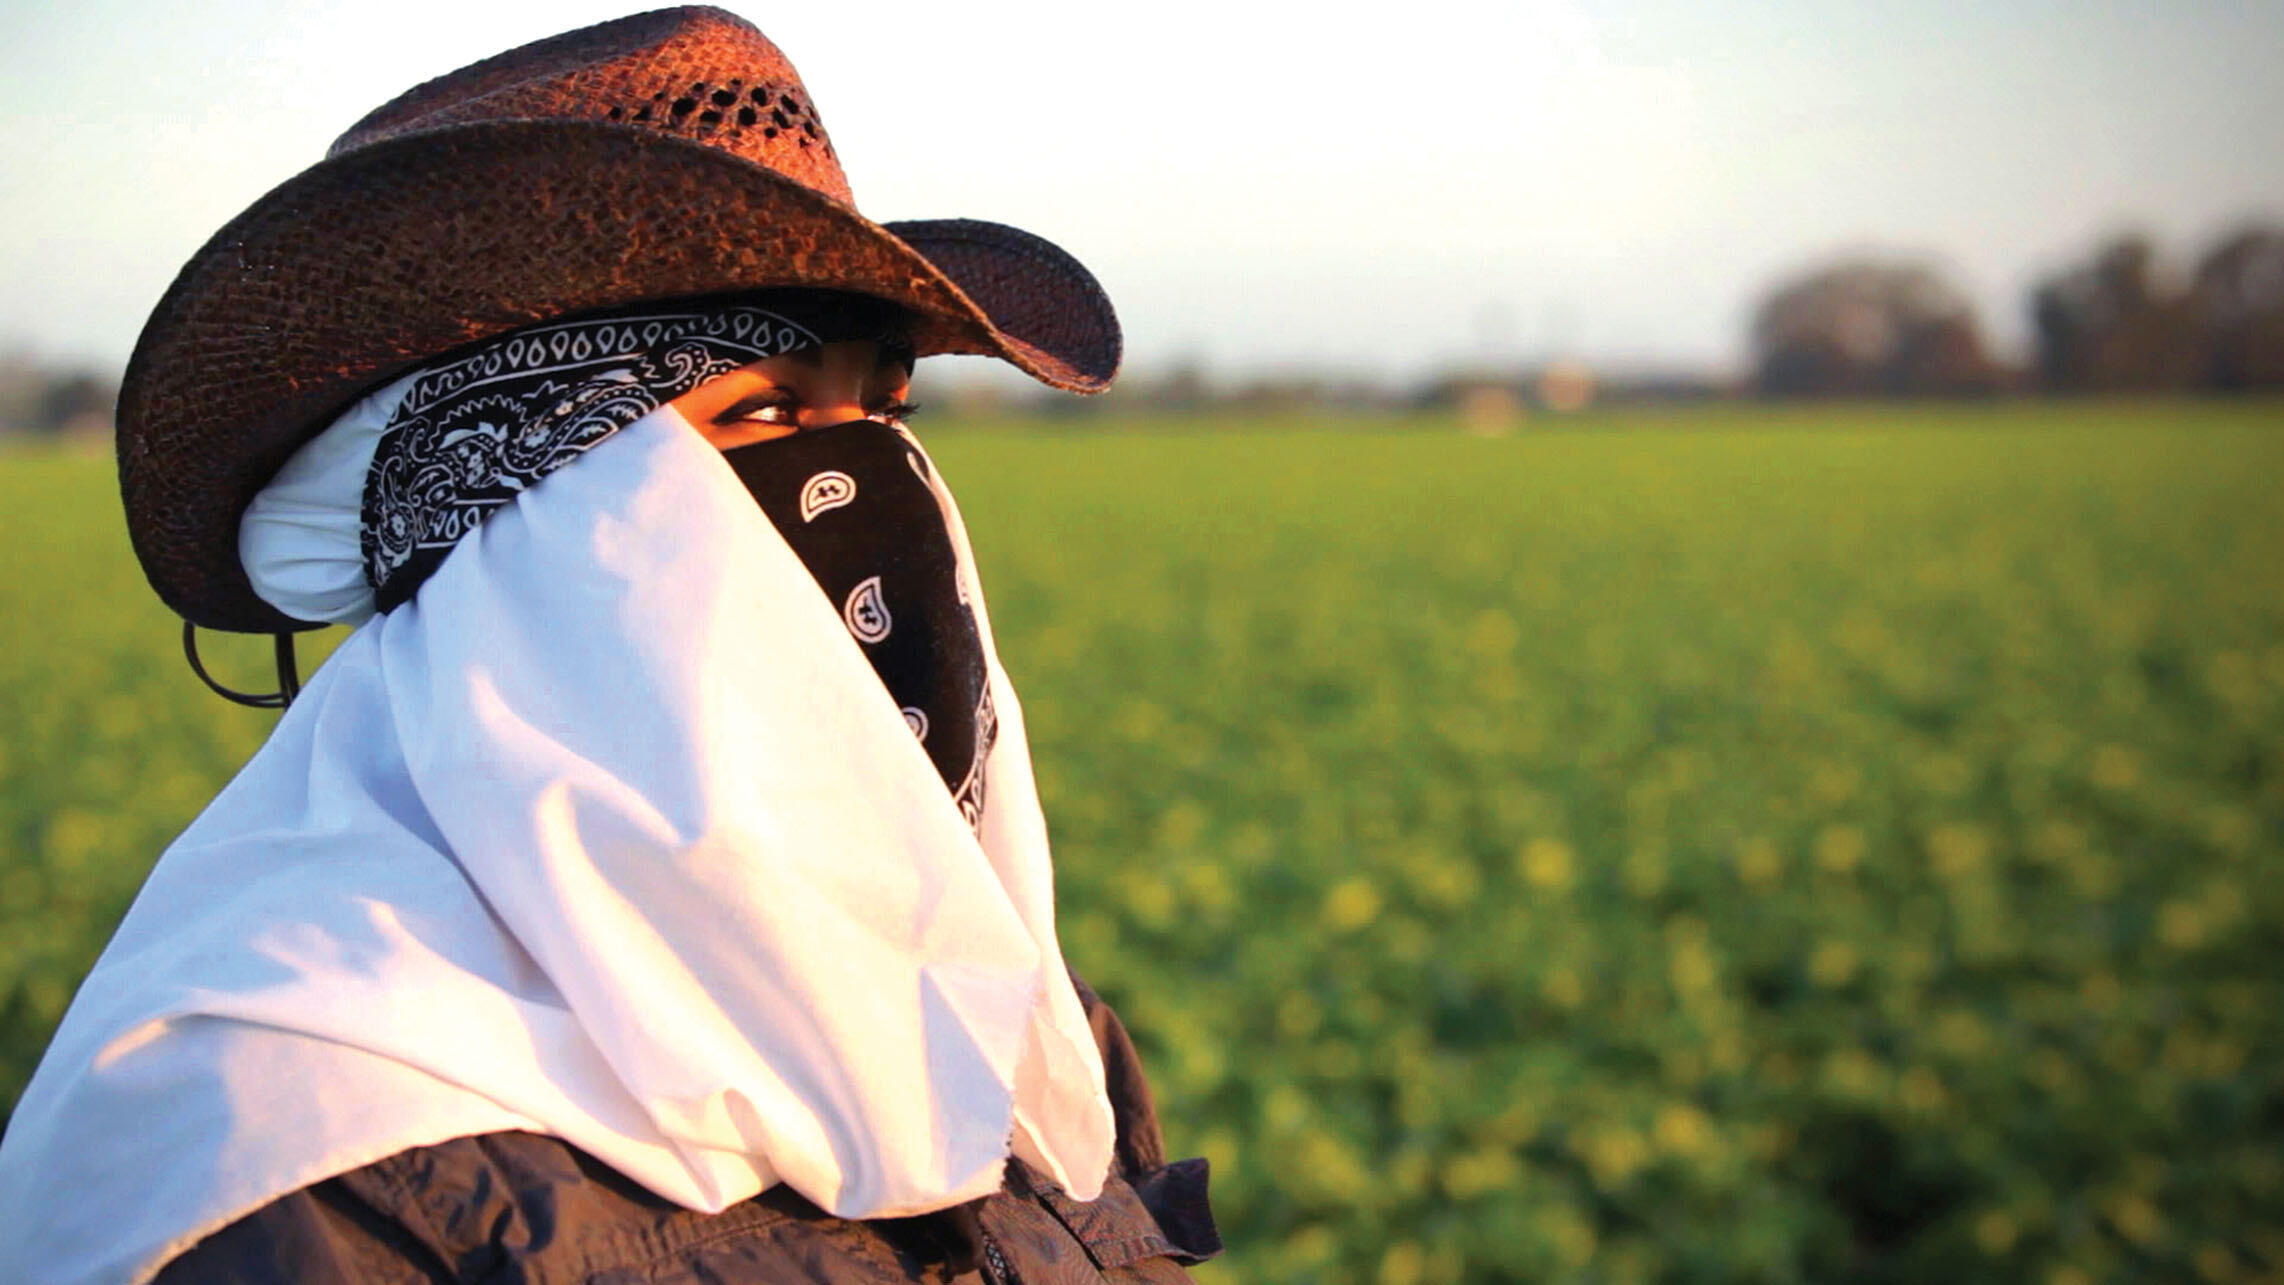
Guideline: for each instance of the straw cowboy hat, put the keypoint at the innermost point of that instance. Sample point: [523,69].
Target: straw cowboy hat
[669,154]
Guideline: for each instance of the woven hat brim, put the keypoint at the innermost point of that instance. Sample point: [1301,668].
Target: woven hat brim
[376,261]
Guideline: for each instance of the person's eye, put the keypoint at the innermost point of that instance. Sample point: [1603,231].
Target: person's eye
[781,413]
[896,412]
[770,406]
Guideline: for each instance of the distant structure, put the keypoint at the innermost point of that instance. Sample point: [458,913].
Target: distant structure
[1869,328]
[1494,404]
[41,400]
[1566,386]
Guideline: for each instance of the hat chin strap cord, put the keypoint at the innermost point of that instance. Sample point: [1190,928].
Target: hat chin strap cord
[289,674]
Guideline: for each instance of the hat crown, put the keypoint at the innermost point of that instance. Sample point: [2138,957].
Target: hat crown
[697,73]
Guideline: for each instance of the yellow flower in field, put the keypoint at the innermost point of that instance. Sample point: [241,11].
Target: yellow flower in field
[1403,1264]
[1298,1014]
[2234,677]
[2135,1218]
[1913,962]
[1957,851]
[1760,864]
[1311,1246]
[1331,1168]
[2181,925]
[1614,1153]
[1946,775]
[1792,662]
[1406,939]
[71,840]
[2223,1059]
[1692,969]
[1996,1231]
[2215,1262]
[1548,865]
[1515,1125]
[2116,768]
[1201,1063]
[1644,872]
[2069,1275]
[1149,899]
[1492,634]
[2232,830]
[1562,988]
[1962,1034]
[1572,1236]
[1852,1072]
[22,890]
[1921,1090]
[1833,964]
[1501,684]
[1139,721]
[1180,826]
[1447,882]
[1839,849]
[2057,842]
[2191,1055]
[1860,633]
[1766,1142]
[1351,904]
[1410,1171]
[2101,992]
[1208,887]
[1682,1129]
[1285,1109]
[1834,782]
[1474,1173]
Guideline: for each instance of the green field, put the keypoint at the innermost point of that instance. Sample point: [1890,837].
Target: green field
[1818,845]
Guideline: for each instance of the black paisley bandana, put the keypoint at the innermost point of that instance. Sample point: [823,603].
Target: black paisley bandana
[855,504]
[477,429]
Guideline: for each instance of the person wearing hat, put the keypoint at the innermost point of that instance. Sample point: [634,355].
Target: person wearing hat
[652,886]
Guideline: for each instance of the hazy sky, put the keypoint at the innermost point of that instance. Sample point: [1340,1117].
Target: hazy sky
[1270,185]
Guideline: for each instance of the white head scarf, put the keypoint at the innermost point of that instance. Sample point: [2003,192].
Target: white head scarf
[609,833]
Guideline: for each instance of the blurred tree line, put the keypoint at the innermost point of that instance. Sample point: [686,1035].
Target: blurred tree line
[2115,323]
[36,398]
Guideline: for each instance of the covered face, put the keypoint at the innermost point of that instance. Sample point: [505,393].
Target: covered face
[812,426]
[362,514]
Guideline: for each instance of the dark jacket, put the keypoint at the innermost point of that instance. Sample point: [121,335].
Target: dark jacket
[527,1209]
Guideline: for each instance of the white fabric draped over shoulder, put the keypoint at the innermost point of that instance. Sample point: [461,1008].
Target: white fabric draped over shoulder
[610,833]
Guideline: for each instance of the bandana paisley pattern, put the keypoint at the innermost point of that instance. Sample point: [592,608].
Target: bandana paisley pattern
[475,431]
[858,505]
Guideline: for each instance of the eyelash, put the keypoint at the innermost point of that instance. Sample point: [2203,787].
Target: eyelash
[894,412]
